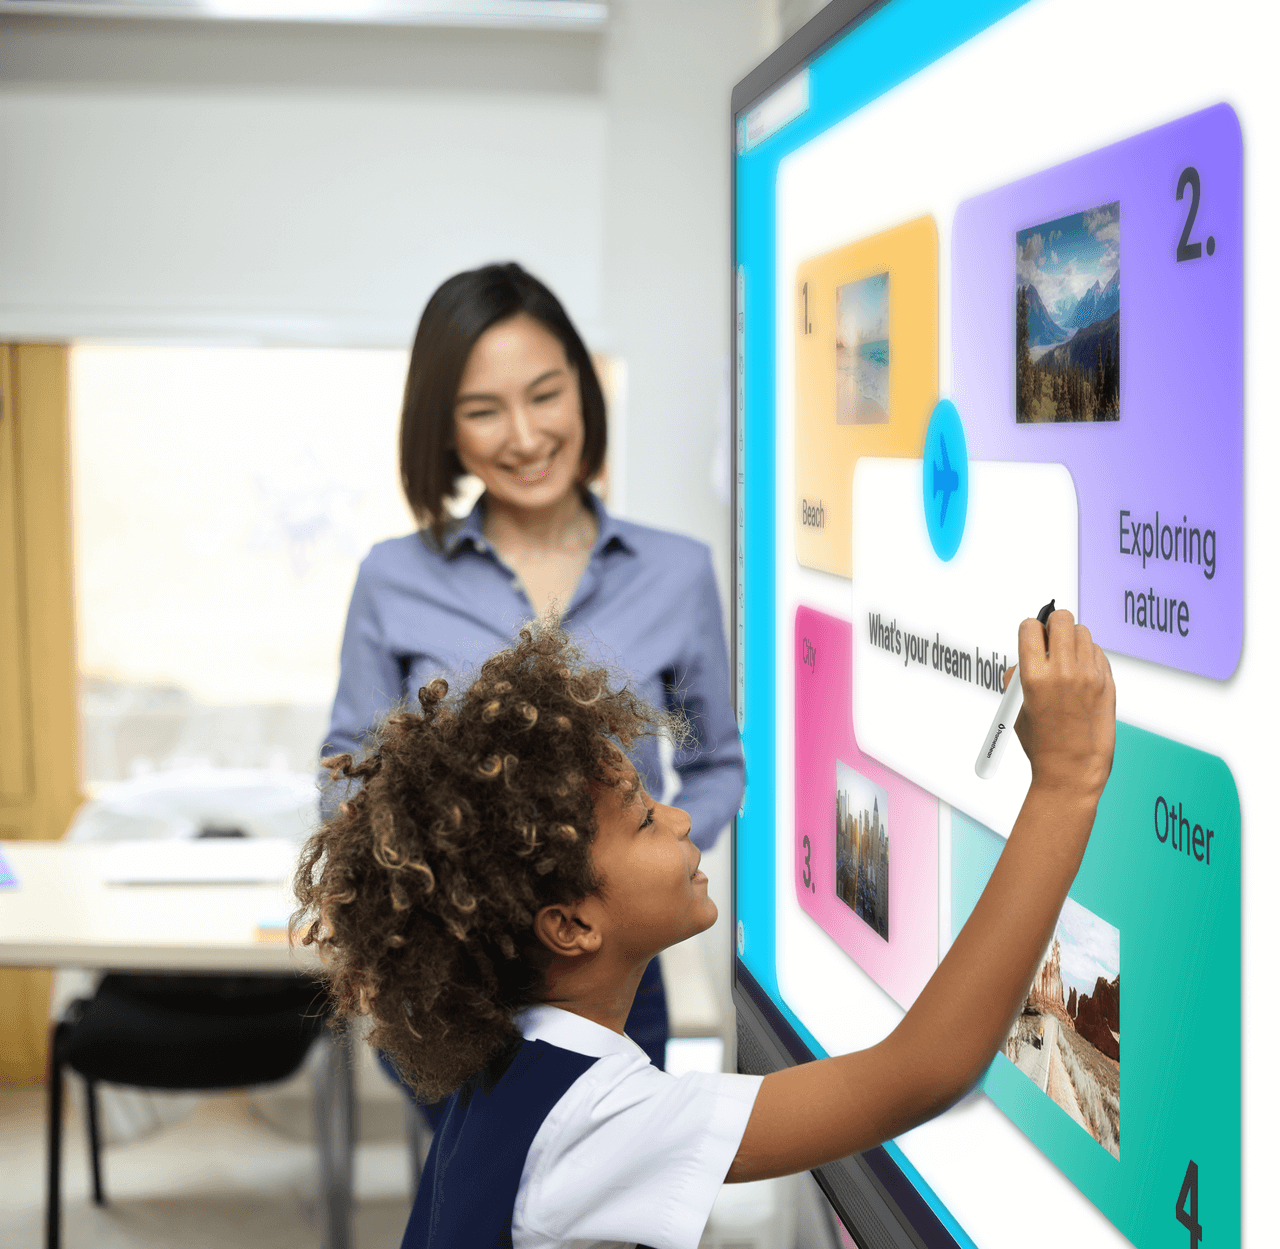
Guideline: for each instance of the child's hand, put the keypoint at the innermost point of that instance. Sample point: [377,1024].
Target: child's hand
[811,1114]
[1067,724]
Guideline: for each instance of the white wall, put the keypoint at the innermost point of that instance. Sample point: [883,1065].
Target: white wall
[792,14]
[669,70]
[303,184]
[227,181]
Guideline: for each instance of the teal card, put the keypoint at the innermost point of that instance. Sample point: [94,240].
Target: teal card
[1144,1120]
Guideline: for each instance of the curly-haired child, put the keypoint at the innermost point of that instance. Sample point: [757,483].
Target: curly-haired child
[493,890]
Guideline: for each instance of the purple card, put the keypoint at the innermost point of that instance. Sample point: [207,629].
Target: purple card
[1136,384]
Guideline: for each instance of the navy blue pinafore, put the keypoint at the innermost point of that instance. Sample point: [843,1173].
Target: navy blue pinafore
[467,1194]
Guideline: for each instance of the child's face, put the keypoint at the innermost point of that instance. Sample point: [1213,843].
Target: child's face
[653,894]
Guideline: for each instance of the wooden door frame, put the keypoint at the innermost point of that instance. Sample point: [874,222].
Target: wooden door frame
[39,717]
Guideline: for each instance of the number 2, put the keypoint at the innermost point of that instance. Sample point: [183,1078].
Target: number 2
[807,877]
[1190,177]
[1189,1196]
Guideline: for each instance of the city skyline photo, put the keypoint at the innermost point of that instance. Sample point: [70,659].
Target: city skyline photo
[862,847]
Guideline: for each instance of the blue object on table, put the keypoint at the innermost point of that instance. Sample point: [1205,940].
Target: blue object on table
[7,879]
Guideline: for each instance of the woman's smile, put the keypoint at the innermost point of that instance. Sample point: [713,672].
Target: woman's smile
[537,471]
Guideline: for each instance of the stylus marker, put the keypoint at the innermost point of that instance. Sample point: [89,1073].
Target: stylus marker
[997,738]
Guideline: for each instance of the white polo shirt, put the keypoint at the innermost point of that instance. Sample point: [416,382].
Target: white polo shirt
[629,1153]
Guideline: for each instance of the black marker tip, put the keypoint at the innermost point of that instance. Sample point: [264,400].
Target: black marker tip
[1046,611]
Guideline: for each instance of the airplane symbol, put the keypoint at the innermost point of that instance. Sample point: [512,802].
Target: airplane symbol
[945,479]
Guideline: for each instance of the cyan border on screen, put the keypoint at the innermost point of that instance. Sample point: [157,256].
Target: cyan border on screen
[886,49]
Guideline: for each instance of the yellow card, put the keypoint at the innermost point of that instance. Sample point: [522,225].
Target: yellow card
[866,375]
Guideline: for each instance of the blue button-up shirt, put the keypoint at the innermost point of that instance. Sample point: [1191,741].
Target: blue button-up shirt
[646,604]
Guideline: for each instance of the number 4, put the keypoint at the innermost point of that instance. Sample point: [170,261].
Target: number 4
[1189,1196]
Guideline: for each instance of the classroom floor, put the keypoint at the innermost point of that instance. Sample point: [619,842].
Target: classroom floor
[221,1176]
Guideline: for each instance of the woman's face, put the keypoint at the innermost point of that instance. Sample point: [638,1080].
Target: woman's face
[517,420]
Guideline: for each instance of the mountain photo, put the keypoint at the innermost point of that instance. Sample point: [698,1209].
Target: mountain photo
[1082,350]
[1042,329]
[1067,318]
[1064,307]
[1096,304]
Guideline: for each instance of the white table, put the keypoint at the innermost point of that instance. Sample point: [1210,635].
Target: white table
[62,915]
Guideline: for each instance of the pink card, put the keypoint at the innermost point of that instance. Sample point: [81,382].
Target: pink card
[866,838]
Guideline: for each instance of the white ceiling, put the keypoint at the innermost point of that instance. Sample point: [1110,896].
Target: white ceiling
[520,14]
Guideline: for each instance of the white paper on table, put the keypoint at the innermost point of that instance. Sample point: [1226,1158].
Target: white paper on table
[205,861]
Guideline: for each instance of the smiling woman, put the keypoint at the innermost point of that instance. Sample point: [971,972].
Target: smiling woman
[518,428]
[502,388]
[493,342]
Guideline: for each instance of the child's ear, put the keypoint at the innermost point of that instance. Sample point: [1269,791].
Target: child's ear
[565,932]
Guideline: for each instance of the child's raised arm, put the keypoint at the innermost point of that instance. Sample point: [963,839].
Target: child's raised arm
[814,1113]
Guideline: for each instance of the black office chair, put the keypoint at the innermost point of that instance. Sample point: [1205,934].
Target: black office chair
[204,1032]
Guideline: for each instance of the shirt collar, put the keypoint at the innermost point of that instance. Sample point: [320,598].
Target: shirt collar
[470,530]
[568,1031]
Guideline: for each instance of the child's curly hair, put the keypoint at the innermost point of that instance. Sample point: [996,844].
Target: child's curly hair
[420,894]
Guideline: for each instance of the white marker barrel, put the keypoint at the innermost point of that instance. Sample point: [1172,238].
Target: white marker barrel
[997,738]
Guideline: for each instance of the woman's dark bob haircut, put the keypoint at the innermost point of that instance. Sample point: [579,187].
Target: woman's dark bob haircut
[463,307]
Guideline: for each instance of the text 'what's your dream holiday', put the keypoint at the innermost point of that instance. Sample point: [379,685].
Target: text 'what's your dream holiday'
[986,670]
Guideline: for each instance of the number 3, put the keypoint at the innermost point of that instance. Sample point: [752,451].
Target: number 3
[807,878]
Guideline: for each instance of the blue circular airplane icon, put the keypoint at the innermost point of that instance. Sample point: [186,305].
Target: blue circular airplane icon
[946,479]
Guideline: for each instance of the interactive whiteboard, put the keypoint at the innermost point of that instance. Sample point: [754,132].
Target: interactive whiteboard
[1004,294]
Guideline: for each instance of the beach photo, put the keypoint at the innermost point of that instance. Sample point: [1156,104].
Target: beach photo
[1067,319]
[1067,1037]
[862,351]
[862,847]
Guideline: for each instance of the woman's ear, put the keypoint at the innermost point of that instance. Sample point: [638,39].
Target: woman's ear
[565,932]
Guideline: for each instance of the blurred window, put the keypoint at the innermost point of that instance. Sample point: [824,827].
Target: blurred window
[222,498]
